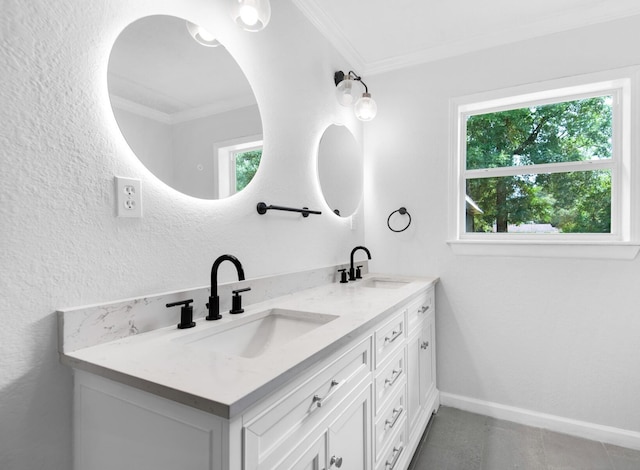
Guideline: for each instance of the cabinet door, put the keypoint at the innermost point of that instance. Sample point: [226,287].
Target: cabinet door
[427,376]
[313,458]
[413,380]
[349,436]
[282,424]
[420,372]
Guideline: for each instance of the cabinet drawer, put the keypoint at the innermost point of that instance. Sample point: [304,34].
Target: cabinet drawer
[420,309]
[394,455]
[389,420]
[290,418]
[389,337]
[389,379]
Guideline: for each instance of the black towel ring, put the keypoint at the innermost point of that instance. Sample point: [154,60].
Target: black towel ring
[402,211]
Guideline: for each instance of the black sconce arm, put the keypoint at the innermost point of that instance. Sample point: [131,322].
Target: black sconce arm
[339,76]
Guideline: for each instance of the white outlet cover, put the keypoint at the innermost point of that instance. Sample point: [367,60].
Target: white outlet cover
[128,197]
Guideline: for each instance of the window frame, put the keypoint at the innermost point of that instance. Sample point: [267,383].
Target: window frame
[233,161]
[225,162]
[622,85]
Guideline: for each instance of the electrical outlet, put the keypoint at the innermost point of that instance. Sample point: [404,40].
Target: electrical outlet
[128,197]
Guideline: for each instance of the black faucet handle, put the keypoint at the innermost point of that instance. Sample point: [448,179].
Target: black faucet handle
[359,272]
[237,291]
[343,276]
[180,302]
[236,300]
[186,313]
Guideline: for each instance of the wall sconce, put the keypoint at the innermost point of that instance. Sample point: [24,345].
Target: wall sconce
[365,107]
[251,15]
[201,35]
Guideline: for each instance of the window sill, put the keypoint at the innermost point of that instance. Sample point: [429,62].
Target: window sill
[546,249]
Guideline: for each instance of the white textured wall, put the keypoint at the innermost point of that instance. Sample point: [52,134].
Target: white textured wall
[60,148]
[557,336]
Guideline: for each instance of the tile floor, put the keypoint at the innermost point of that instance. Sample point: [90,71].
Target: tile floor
[458,440]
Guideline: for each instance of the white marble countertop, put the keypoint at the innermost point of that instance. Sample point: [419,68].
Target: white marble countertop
[226,385]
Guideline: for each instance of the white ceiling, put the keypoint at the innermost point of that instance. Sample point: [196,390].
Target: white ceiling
[155,57]
[382,35]
[156,64]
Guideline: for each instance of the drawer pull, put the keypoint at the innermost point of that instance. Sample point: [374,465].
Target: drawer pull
[394,376]
[337,461]
[394,336]
[318,400]
[425,345]
[424,308]
[396,455]
[392,422]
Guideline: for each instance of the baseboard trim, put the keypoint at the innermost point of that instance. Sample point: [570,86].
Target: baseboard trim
[597,432]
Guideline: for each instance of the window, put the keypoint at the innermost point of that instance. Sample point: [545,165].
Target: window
[245,164]
[237,163]
[545,163]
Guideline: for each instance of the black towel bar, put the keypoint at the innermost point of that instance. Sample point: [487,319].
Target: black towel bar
[262,208]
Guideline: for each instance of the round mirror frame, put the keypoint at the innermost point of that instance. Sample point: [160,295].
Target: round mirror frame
[340,170]
[210,148]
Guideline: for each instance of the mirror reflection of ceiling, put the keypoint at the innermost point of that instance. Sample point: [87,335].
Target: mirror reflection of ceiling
[159,65]
[399,33]
[186,110]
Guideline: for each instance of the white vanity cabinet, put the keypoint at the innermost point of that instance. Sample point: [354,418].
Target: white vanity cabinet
[121,427]
[344,442]
[421,362]
[304,457]
[365,406]
[292,417]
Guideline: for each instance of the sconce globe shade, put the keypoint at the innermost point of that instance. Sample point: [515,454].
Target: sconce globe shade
[345,92]
[251,15]
[201,35]
[365,108]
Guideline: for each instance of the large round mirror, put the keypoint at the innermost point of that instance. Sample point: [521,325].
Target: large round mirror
[184,107]
[340,170]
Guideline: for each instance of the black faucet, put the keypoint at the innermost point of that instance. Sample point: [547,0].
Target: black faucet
[214,300]
[352,271]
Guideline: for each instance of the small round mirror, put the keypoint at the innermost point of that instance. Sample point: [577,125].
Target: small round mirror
[340,169]
[185,107]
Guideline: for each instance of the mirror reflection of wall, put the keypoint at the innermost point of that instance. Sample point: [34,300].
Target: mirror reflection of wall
[186,110]
[340,170]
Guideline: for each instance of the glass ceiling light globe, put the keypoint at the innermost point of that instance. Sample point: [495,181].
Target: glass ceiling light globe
[251,15]
[201,35]
[365,108]
[345,92]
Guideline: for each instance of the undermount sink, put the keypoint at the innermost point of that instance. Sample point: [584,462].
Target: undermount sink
[256,334]
[382,283]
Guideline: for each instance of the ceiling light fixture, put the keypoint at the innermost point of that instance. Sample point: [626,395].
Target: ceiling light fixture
[251,15]
[365,107]
[201,35]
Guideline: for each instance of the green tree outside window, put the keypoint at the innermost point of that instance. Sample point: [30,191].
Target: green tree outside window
[246,166]
[567,201]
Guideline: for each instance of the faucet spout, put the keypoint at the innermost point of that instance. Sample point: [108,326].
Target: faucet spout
[214,300]
[352,271]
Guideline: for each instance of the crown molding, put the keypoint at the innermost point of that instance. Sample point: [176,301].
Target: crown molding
[577,18]
[138,109]
[331,31]
[182,116]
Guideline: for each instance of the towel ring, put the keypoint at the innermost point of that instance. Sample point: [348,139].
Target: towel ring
[401,211]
